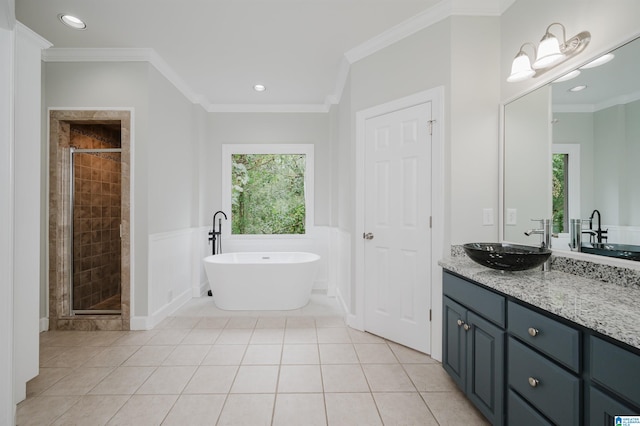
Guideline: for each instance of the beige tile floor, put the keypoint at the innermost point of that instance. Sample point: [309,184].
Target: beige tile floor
[204,366]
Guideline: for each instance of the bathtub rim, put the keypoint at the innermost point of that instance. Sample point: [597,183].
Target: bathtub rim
[218,259]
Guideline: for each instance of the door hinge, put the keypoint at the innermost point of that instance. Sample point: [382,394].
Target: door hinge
[430,222]
[431,126]
[429,315]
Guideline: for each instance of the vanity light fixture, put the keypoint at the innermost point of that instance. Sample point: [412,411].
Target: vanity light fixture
[72,21]
[259,87]
[549,53]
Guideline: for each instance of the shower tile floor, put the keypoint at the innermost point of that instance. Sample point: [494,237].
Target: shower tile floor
[205,366]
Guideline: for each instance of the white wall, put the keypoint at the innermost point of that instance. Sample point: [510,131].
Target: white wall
[577,127]
[474,115]
[166,138]
[7,404]
[113,85]
[27,208]
[173,185]
[267,128]
[527,158]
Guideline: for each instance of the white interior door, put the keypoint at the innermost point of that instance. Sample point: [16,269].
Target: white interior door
[397,239]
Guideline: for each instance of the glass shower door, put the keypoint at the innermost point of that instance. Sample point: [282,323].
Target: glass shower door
[95,231]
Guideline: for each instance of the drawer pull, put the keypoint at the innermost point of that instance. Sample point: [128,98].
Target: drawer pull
[533,332]
[466,327]
[533,382]
[460,323]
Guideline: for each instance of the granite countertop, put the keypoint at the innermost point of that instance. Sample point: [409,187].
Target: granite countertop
[608,308]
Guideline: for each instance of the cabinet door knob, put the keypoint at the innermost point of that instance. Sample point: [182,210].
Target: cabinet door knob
[466,327]
[533,332]
[460,323]
[533,382]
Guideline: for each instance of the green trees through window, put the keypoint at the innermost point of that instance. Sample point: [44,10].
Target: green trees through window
[268,193]
[560,197]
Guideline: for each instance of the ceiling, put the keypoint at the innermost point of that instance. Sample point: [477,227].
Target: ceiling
[219,49]
[613,83]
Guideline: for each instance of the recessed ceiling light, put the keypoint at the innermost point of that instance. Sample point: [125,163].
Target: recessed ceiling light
[599,61]
[259,88]
[578,88]
[72,21]
[568,76]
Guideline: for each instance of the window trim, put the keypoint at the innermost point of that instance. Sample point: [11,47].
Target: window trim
[307,149]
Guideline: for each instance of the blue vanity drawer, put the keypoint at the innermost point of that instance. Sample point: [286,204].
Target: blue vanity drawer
[484,302]
[552,390]
[522,414]
[550,337]
[616,369]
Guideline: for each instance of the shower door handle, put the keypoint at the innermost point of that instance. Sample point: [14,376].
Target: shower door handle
[367,236]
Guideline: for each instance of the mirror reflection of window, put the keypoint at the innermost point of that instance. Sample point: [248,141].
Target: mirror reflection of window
[559,192]
[565,192]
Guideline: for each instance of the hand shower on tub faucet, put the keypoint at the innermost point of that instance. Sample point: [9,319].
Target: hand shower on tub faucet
[217,242]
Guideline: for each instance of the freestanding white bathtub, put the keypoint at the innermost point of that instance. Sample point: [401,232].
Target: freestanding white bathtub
[261,281]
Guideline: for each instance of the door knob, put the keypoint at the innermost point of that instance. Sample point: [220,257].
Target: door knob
[367,236]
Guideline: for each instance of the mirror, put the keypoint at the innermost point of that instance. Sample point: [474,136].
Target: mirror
[569,153]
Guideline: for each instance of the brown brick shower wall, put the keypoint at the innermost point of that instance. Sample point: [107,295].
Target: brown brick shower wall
[97,218]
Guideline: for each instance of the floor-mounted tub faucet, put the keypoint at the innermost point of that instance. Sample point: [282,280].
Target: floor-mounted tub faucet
[216,236]
[545,234]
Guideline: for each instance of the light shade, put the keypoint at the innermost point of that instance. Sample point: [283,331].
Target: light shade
[520,68]
[599,61]
[568,76]
[549,52]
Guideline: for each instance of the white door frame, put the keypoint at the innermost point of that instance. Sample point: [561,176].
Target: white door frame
[436,96]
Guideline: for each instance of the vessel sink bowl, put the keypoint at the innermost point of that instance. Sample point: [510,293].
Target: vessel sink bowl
[505,256]
[621,251]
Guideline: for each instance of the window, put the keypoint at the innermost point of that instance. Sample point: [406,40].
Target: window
[566,185]
[268,189]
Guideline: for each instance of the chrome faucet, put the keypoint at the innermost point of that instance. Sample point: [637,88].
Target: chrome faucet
[545,236]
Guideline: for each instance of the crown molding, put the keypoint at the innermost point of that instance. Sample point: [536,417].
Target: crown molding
[618,100]
[7,14]
[123,55]
[36,38]
[425,19]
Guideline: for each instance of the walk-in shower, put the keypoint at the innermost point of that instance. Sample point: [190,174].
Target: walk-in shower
[89,220]
[95,226]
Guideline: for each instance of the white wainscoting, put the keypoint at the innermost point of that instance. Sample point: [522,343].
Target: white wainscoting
[341,267]
[171,274]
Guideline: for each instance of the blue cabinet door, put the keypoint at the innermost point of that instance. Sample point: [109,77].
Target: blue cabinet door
[485,367]
[453,341]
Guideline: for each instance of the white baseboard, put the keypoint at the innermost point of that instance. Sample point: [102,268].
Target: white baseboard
[44,324]
[201,290]
[148,323]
